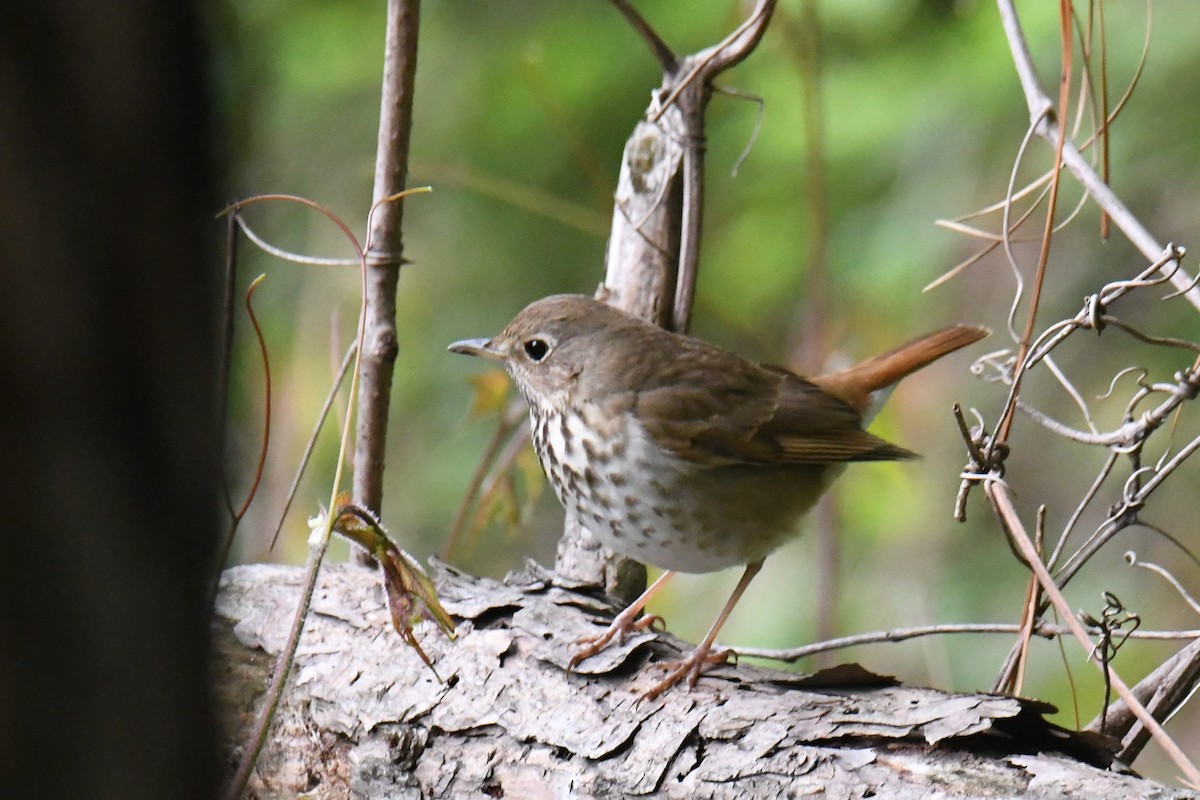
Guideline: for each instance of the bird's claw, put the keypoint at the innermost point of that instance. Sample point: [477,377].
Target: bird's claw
[620,627]
[689,668]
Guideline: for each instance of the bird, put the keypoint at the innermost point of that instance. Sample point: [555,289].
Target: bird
[682,454]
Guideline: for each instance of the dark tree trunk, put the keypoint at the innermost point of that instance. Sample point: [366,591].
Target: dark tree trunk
[106,432]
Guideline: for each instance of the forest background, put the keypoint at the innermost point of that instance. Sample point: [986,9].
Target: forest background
[916,115]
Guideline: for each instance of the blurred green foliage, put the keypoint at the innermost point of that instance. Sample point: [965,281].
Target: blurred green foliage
[522,108]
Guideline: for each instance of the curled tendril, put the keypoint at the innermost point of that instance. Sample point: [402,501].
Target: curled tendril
[1112,385]
[1093,311]
[1131,491]
[1192,285]
[1171,255]
[1132,560]
[998,363]
[1115,626]
[1117,619]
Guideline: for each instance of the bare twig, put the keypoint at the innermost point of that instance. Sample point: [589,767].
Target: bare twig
[1043,630]
[1124,513]
[226,365]
[662,52]
[287,255]
[1162,692]
[666,152]
[1133,431]
[1039,104]
[318,542]
[384,251]
[998,494]
[1132,560]
[236,515]
[1041,181]
[700,70]
[347,360]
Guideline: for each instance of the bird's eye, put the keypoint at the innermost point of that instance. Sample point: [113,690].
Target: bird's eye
[536,349]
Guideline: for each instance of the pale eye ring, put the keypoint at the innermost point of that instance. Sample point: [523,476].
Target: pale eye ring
[535,348]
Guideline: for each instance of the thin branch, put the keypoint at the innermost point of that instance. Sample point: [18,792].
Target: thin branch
[347,360]
[793,654]
[705,67]
[319,542]
[1039,105]
[384,251]
[1164,691]
[1045,177]
[260,466]
[287,255]
[1088,496]
[1134,431]
[658,48]
[1132,560]
[226,364]
[998,494]
[1006,416]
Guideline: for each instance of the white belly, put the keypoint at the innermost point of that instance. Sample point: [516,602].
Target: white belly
[634,503]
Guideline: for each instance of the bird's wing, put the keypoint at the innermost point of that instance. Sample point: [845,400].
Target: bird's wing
[711,407]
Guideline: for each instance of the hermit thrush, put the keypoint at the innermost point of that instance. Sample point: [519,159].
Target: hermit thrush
[681,454]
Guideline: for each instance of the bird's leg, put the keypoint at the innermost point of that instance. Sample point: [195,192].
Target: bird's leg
[622,624]
[703,655]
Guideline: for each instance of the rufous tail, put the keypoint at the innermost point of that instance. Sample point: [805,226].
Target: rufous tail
[856,384]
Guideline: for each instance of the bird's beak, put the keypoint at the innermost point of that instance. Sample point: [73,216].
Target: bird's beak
[485,348]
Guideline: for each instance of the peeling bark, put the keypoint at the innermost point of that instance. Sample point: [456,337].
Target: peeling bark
[362,717]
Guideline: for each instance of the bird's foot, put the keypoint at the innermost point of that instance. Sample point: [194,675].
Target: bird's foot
[689,668]
[622,625]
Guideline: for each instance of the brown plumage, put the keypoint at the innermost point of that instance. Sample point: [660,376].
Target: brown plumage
[680,453]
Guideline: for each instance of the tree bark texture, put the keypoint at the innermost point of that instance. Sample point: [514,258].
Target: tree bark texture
[363,717]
